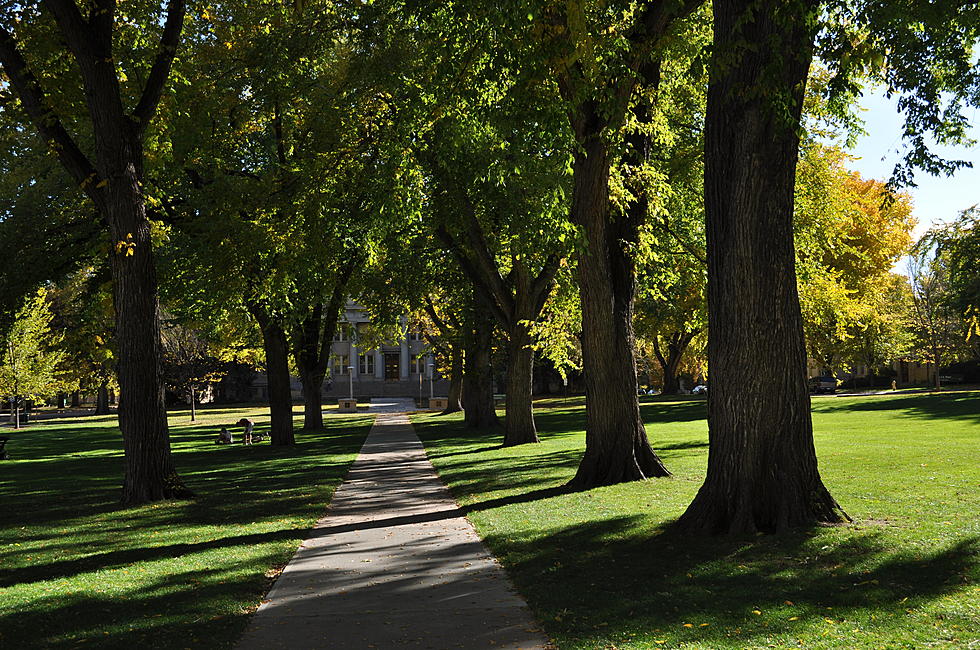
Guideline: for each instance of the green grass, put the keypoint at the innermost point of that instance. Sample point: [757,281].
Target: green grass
[604,569]
[77,570]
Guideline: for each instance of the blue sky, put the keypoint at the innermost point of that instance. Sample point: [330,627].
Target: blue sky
[936,199]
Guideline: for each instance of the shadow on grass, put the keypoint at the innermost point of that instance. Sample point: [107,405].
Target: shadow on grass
[61,497]
[596,583]
[523,497]
[160,614]
[119,558]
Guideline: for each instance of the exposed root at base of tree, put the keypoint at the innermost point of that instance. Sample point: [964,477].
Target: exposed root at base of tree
[172,488]
[598,471]
[713,514]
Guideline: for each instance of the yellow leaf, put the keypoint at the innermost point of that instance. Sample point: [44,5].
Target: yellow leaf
[688,625]
[787,602]
[757,612]
[704,625]
[794,618]
[102,183]
[129,251]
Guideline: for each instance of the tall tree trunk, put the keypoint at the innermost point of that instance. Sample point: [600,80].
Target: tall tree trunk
[478,375]
[455,403]
[102,400]
[672,361]
[616,446]
[312,400]
[277,374]
[672,383]
[193,405]
[150,473]
[76,399]
[520,427]
[762,467]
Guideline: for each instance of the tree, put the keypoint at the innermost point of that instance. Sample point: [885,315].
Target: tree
[282,143]
[959,245]
[441,320]
[601,70]
[762,467]
[83,317]
[113,180]
[762,470]
[849,233]
[30,355]
[671,309]
[189,368]
[936,324]
[517,196]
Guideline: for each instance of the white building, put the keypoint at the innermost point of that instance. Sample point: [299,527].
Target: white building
[401,367]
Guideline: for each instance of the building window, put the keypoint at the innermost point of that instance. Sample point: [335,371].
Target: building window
[341,334]
[420,364]
[366,363]
[340,363]
[414,334]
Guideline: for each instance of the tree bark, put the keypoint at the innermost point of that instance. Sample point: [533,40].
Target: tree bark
[520,427]
[478,403]
[102,400]
[150,471]
[455,403]
[277,374]
[193,405]
[616,445]
[312,400]
[76,399]
[762,467]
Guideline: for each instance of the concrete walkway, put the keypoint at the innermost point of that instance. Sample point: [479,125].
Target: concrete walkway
[393,564]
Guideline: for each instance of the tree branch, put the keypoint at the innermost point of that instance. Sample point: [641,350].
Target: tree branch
[31,96]
[75,29]
[153,89]
[333,310]
[469,268]
[543,282]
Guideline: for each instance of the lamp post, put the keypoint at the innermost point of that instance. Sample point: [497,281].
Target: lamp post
[431,372]
[350,374]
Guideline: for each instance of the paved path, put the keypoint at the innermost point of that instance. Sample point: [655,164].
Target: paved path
[393,564]
[391,405]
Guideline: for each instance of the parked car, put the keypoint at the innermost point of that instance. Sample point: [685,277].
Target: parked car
[700,389]
[820,385]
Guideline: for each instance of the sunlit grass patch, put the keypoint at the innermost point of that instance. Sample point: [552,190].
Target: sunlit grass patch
[77,568]
[604,569]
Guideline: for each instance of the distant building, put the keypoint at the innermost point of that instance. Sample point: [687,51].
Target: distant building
[398,368]
[904,371]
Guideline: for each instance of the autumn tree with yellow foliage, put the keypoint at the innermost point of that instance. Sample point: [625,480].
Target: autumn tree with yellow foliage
[850,232]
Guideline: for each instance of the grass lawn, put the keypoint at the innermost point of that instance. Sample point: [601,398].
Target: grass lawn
[78,570]
[603,569]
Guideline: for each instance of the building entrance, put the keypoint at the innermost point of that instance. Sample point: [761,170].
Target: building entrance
[392,366]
